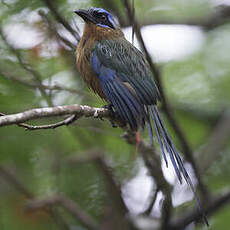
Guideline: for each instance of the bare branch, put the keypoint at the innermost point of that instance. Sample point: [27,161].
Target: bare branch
[67,121]
[79,110]
[153,200]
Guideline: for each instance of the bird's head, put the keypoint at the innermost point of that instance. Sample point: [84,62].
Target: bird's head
[98,17]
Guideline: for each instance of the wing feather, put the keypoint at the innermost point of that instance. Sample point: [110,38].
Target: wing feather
[130,66]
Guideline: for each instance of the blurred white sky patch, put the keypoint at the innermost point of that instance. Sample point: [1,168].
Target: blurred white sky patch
[181,192]
[22,36]
[137,191]
[170,42]
[220,2]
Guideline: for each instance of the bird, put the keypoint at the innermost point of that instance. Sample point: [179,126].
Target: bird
[120,74]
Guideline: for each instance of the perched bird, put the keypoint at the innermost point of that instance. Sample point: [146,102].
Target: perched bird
[119,73]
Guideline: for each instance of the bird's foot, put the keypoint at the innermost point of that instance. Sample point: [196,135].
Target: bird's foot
[109,107]
[114,115]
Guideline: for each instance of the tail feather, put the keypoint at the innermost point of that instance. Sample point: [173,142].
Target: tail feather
[158,130]
[165,140]
[167,143]
[150,130]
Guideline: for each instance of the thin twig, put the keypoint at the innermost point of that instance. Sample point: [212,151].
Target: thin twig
[66,122]
[151,204]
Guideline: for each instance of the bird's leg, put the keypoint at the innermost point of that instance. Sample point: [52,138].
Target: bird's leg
[114,116]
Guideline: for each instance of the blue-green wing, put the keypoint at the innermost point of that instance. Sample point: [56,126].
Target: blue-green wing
[130,66]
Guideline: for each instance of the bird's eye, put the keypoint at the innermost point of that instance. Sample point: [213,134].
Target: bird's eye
[102,17]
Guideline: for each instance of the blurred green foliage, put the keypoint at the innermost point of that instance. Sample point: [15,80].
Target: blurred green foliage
[198,87]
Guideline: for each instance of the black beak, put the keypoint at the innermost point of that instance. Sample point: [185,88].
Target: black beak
[84,14]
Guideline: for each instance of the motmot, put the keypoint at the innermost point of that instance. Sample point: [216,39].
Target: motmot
[119,73]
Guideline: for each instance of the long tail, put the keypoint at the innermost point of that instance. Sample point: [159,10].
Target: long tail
[166,143]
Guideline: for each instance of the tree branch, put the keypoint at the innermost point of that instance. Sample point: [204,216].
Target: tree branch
[80,110]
